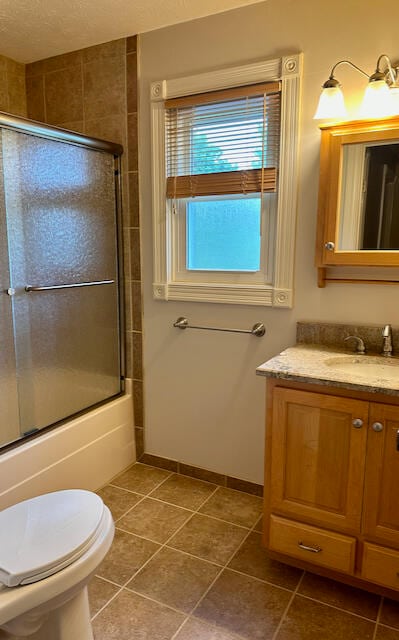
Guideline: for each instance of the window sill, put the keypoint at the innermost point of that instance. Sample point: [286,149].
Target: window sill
[261,295]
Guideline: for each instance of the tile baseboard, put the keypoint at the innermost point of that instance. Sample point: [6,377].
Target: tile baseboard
[202,474]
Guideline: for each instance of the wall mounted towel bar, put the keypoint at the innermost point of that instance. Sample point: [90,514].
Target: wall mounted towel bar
[257,330]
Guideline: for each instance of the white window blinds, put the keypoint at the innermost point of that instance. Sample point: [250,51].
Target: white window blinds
[223,142]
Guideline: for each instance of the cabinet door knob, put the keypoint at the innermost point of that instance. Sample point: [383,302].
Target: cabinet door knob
[377,426]
[357,423]
[330,246]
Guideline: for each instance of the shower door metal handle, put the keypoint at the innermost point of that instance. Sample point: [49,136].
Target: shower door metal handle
[29,287]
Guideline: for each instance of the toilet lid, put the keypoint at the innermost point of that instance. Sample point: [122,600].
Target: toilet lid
[41,536]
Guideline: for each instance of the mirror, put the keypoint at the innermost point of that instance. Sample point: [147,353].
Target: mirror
[358,213]
[369,198]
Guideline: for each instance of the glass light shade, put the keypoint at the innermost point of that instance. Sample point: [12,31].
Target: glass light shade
[377,101]
[331,105]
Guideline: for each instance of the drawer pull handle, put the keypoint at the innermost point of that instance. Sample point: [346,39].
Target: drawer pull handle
[313,549]
[397,440]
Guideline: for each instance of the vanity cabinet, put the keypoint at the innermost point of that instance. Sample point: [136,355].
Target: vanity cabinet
[332,469]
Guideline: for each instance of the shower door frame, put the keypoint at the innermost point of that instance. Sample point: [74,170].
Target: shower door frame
[40,129]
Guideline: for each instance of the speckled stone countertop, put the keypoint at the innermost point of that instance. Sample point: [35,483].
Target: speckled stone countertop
[309,363]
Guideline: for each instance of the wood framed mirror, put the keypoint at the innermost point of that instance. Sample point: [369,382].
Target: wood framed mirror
[358,210]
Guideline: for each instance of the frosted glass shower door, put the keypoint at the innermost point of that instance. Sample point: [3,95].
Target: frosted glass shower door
[61,222]
[9,416]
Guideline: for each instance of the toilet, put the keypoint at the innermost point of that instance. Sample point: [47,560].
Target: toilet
[50,547]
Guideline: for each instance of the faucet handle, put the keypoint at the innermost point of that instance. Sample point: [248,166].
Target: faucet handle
[387,340]
[387,331]
[360,346]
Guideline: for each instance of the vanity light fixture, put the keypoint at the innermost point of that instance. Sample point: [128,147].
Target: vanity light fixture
[381,98]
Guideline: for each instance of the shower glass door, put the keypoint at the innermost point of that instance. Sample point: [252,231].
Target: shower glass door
[9,421]
[63,267]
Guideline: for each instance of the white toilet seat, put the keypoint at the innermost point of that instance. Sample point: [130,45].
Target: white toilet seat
[41,536]
[57,607]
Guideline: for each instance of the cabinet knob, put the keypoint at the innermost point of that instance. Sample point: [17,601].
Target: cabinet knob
[377,426]
[330,246]
[357,423]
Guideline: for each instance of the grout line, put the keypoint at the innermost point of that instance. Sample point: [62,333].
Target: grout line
[283,617]
[155,553]
[386,626]
[193,511]
[221,570]
[234,524]
[332,606]
[147,597]
[179,628]
[82,82]
[378,618]
[115,584]
[213,626]
[249,575]
[107,603]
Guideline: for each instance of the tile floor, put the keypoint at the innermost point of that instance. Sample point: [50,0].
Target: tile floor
[187,564]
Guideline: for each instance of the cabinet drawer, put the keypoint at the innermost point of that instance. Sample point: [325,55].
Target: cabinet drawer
[324,548]
[381,565]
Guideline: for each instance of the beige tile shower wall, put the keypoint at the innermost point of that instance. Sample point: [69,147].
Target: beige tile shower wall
[12,87]
[94,91]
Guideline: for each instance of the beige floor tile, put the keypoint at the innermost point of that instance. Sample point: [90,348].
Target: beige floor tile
[155,520]
[252,558]
[132,617]
[340,595]
[390,613]
[140,478]
[127,554]
[195,629]
[244,605]
[100,592]
[175,579]
[208,538]
[184,491]
[259,525]
[118,500]
[309,620]
[386,633]
[234,506]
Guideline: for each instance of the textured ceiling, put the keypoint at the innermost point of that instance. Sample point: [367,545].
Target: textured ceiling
[35,29]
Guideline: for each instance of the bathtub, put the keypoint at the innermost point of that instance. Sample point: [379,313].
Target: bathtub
[86,452]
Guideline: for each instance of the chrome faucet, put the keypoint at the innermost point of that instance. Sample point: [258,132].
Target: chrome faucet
[387,341]
[360,347]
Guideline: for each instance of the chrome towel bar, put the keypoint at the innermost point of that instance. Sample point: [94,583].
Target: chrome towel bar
[29,287]
[257,330]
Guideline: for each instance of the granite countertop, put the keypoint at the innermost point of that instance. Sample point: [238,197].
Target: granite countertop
[309,363]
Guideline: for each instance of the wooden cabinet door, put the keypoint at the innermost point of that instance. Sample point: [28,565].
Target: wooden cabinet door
[381,505]
[318,458]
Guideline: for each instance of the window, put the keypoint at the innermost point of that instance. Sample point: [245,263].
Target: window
[222,191]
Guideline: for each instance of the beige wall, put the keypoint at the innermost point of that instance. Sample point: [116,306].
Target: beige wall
[12,87]
[204,405]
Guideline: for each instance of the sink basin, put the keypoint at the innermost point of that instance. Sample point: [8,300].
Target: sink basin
[366,366]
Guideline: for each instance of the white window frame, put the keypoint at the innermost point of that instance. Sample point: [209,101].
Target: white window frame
[277,288]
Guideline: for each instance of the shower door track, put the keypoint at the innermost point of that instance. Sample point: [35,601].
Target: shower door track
[8,121]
